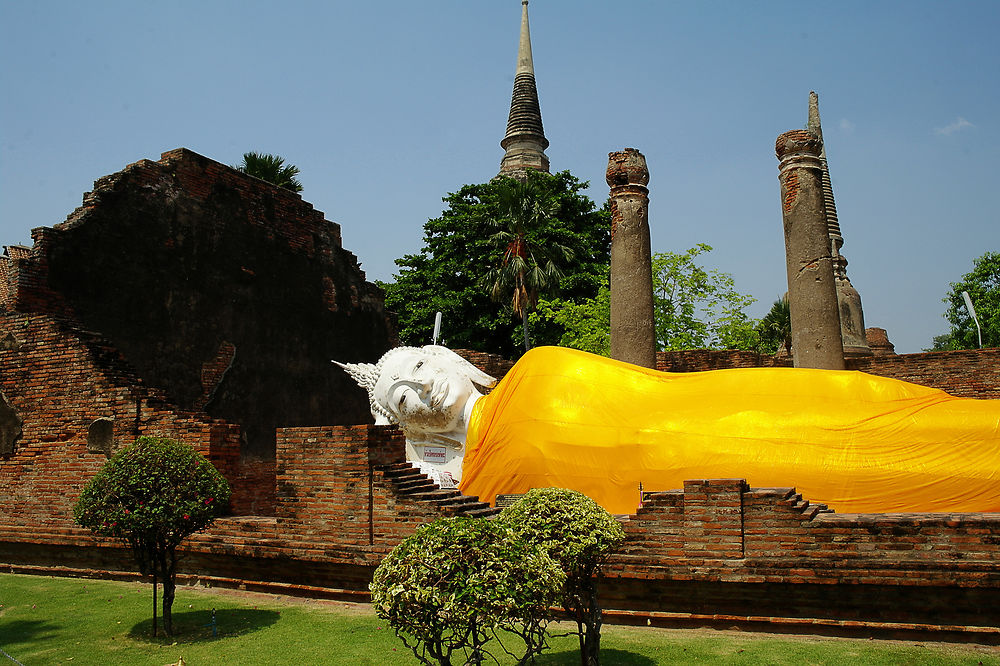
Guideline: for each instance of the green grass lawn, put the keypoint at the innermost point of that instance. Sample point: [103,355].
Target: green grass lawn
[71,621]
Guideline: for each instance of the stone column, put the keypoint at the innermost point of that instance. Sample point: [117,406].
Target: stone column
[633,334]
[812,291]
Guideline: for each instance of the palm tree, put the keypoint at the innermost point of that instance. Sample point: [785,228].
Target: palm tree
[528,268]
[776,326]
[271,168]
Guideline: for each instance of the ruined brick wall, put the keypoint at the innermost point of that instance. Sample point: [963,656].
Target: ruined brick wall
[225,292]
[339,480]
[68,402]
[340,507]
[715,551]
[699,360]
[718,547]
[968,373]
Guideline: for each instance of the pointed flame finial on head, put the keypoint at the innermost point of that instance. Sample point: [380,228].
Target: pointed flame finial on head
[366,374]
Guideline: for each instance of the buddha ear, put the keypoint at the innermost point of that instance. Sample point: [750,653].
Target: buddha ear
[475,374]
[479,377]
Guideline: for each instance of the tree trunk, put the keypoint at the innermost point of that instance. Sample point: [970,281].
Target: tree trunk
[154,602]
[524,327]
[595,619]
[169,587]
[168,601]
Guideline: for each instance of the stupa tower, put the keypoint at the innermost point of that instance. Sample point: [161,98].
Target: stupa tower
[852,318]
[525,141]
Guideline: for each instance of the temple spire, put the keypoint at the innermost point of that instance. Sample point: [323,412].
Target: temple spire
[852,318]
[524,62]
[525,141]
[832,222]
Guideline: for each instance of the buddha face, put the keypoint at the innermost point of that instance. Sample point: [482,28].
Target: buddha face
[427,389]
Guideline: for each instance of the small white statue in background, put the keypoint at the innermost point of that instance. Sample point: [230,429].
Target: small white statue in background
[429,393]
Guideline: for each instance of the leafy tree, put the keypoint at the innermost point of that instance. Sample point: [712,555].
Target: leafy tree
[983,285]
[271,168]
[527,268]
[943,342]
[448,273]
[152,495]
[776,328]
[586,325]
[694,307]
[448,589]
[578,534]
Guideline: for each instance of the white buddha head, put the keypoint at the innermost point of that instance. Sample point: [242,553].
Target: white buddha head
[426,390]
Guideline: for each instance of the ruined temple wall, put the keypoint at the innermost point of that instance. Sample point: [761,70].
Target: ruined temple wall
[719,547]
[338,511]
[714,547]
[334,479]
[77,402]
[228,294]
[967,374]
[51,382]
[699,360]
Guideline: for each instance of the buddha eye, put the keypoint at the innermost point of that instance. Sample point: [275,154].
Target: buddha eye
[402,400]
[420,363]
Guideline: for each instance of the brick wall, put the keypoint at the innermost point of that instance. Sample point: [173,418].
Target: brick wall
[719,547]
[968,374]
[60,382]
[341,504]
[698,360]
[226,293]
[716,548]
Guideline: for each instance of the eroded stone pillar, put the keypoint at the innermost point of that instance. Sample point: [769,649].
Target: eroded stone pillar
[812,291]
[633,333]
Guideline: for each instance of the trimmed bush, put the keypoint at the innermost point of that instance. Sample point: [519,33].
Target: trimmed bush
[151,496]
[458,583]
[580,535]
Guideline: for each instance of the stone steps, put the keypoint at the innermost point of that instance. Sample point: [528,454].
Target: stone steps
[411,484]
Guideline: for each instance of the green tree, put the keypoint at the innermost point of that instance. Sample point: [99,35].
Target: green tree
[586,325]
[151,496]
[776,328]
[271,168]
[448,273]
[943,342]
[449,589]
[527,267]
[694,307]
[983,285]
[578,534]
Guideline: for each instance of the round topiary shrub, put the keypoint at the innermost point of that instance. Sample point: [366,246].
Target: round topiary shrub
[152,495]
[454,585]
[579,534]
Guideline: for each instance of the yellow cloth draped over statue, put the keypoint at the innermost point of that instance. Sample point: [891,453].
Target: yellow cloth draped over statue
[856,442]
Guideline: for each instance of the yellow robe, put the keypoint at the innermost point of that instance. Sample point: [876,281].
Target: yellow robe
[853,441]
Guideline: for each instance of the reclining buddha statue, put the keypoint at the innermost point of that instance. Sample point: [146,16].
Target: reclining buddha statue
[565,418]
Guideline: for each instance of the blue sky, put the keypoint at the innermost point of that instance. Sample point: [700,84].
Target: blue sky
[387,105]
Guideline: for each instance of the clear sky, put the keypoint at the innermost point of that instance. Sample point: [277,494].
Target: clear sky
[388,105]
